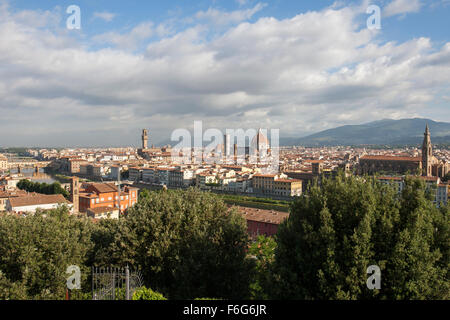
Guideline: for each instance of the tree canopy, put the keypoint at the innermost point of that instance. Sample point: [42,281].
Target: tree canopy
[44,188]
[188,244]
[347,224]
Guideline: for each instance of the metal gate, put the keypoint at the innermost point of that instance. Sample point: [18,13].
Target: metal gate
[113,283]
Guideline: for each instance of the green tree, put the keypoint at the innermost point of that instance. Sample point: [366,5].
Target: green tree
[43,188]
[187,244]
[347,224]
[446,177]
[263,252]
[35,252]
[147,294]
[144,194]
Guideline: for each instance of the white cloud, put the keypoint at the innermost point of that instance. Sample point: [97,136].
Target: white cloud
[310,72]
[400,7]
[106,16]
[219,17]
[129,40]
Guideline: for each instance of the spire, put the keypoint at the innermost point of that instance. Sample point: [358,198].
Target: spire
[427,130]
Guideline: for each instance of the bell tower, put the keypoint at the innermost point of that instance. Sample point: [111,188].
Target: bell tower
[144,139]
[427,154]
[75,194]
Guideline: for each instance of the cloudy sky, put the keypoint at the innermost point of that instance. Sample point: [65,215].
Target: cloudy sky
[297,66]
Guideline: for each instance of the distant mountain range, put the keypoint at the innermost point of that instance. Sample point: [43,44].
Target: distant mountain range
[382,132]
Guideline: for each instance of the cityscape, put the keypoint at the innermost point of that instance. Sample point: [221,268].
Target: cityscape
[122,186]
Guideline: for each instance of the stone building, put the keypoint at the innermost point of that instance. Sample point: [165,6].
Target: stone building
[428,164]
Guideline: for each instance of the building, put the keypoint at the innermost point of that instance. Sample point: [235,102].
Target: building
[431,166]
[427,164]
[103,213]
[3,163]
[427,154]
[432,183]
[29,204]
[181,178]
[75,194]
[74,165]
[135,174]
[262,222]
[389,164]
[205,179]
[5,195]
[114,172]
[276,185]
[442,194]
[144,139]
[96,195]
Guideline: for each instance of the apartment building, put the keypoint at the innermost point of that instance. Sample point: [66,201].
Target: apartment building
[203,179]
[75,164]
[432,183]
[442,194]
[276,185]
[181,178]
[3,163]
[135,174]
[96,195]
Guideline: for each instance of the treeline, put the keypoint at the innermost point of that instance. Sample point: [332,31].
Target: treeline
[189,245]
[44,188]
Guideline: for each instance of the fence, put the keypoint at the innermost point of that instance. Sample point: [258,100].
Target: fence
[112,283]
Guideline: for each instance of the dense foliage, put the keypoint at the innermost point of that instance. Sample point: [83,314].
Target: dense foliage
[348,224]
[147,294]
[43,188]
[35,252]
[189,244]
[262,250]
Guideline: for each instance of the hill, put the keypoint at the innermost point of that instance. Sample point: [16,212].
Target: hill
[382,132]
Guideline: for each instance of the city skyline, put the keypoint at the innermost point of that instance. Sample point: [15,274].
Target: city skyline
[311,67]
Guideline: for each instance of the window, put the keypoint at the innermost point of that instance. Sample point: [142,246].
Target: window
[110,198]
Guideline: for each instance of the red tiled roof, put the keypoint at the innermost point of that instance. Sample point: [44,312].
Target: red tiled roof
[260,215]
[392,158]
[37,200]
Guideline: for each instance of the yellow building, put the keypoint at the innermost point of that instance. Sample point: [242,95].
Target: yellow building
[276,185]
[3,163]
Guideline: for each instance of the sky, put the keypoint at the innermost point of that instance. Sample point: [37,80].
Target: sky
[297,66]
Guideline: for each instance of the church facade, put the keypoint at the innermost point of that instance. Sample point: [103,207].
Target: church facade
[427,164]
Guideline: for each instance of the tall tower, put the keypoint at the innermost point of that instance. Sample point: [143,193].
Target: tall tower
[75,194]
[226,146]
[144,139]
[427,154]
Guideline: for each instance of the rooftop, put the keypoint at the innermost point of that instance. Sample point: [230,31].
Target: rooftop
[40,199]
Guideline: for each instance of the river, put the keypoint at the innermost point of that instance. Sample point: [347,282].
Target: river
[40,176]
